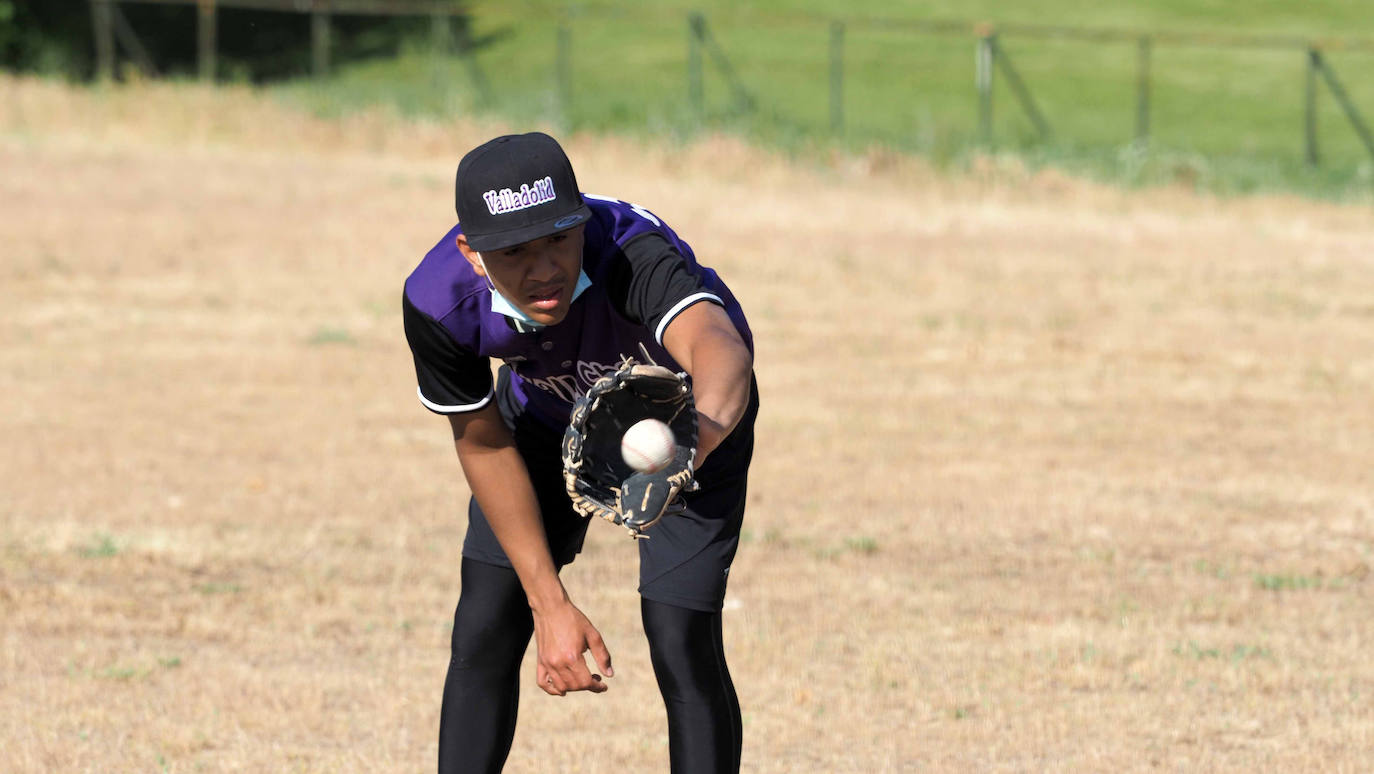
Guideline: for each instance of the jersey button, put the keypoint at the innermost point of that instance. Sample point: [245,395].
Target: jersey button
[546,346]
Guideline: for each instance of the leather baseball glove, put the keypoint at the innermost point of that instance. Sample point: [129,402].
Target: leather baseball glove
[598,479]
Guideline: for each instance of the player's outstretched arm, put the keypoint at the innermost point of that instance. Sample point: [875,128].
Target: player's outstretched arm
[705,343]
[501,483]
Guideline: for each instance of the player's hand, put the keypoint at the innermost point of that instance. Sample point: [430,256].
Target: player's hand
[562,634]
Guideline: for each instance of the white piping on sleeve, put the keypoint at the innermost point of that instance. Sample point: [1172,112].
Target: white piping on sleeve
[436,407]
[677,309]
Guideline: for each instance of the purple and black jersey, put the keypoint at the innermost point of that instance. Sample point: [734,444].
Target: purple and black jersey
[642,276]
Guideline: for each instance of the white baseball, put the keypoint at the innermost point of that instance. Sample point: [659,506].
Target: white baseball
[648,446]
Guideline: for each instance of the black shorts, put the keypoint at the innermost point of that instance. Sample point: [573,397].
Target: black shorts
[686,560]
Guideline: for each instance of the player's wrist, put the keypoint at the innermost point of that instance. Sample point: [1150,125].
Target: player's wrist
[547,596]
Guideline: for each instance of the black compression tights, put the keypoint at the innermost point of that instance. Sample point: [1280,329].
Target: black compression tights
[704,725]
[491,630]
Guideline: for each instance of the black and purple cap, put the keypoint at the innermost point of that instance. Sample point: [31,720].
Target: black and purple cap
[516,188]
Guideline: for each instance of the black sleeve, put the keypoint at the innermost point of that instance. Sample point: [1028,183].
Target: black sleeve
[452,379]
[658,283]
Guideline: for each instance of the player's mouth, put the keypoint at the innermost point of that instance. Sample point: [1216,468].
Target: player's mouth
[546,299]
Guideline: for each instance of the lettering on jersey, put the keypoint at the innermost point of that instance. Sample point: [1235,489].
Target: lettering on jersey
[570,387]
[590,372]
[529,195]
[563,386]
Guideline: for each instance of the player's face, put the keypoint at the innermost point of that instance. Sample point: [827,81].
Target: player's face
[538,276]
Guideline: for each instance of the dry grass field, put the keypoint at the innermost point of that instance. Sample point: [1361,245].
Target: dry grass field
[1050,477]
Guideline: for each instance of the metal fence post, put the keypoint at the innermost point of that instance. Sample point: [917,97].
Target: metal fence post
[319,39]
[1018,89]
[440,46]
[744,101]
[1142,92]
[837,77]
[440,34]
[1310,109]
[102,22]
[206,40]
[696,24]
[983,77]
[467,51]
[1343,99]
[564,72]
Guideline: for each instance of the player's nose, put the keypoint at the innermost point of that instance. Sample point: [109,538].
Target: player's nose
[544,266]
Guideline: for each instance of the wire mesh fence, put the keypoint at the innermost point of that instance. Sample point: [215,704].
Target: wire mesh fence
[932,86]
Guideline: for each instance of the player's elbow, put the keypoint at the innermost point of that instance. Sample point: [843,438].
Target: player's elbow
[478,431]
[722,379]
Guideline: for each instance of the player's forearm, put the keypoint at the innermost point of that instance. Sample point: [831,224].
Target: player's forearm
[721,368]
[500,482]
[703,340]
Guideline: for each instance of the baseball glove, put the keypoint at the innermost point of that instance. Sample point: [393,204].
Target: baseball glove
[598,479]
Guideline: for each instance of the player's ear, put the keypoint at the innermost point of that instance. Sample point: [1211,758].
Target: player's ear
[471,255]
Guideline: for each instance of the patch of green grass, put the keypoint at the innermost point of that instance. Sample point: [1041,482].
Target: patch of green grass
[119,673]
[1237,653]
[1212,569]
[102,546]
[1287,582]
[859,544]
[325,336]
[1227,120]
[122,674]
[1320,377]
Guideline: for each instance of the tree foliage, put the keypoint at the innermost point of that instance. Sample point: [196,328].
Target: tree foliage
[56,37]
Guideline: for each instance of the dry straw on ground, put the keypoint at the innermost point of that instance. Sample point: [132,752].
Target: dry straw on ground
[1050,477]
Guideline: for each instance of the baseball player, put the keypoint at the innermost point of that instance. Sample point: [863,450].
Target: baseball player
[562,286]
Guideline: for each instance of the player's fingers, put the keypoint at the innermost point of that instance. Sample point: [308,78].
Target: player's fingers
[576,677]
[547,682]
[593,684]
[600,653]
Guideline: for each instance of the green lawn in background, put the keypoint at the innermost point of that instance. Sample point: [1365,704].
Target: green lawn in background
[1231,119]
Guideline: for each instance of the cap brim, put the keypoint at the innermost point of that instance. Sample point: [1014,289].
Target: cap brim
[503,239]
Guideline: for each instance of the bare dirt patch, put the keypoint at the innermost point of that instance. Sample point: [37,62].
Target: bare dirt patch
[1050,477]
